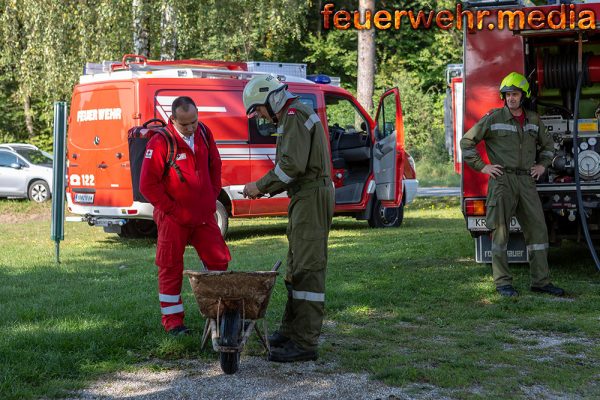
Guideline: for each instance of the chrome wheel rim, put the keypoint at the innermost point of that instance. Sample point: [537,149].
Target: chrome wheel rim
[39,193]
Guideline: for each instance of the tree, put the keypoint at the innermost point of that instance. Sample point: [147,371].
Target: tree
[168,29]
[141,21]
[13,33]
[366,58]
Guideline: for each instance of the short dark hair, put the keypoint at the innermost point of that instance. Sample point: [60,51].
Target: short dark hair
[183,102]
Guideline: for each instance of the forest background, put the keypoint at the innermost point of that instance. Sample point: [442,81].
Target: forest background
[46,43]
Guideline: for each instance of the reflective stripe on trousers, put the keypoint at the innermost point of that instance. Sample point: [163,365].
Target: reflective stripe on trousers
[308,296]
[173,299]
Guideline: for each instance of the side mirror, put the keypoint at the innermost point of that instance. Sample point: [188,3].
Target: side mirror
[16,165]
[376,132]
[363,126]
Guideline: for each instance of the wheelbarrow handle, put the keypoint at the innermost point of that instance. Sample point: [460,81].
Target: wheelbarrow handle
[276,266]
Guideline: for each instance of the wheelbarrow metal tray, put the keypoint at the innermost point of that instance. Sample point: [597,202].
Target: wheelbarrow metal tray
[220,290]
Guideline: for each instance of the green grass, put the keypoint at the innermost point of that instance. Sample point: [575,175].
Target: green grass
[23,207]
[431,173]
[409,306]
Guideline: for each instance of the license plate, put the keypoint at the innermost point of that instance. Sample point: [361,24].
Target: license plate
[478,224]
[86,198]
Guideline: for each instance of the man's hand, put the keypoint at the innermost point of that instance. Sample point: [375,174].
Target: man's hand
[493,170]
[251,191]
[537,171]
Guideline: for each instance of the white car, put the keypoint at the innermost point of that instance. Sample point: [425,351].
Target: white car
[25,171]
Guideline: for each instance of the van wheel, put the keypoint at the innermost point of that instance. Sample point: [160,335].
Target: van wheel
[222,217]
[384,217]
[39,191]
[139,229]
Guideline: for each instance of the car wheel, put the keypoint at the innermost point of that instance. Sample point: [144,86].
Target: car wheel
[39,191]
[385,217]
[222,217]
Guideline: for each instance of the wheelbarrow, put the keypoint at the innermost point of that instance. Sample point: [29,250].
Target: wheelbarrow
[233,303]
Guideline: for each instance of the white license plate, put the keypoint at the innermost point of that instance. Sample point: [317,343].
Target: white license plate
[478,224]
[86,198]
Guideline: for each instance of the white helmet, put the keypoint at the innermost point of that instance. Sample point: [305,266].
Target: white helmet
[266,90]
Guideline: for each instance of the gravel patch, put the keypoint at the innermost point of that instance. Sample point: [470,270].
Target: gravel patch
[256,379]
[542,392]
[546,340]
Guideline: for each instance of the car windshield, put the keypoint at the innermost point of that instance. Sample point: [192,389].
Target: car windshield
[35,156]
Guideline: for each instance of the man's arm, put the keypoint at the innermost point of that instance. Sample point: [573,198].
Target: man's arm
[469,142]
[153,170]
[547,146]
[294,151]
[215,163]
[546,153]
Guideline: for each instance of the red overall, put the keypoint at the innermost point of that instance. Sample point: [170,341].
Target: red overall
[184,213]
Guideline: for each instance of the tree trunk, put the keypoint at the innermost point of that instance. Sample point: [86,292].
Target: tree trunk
[28,116]
[366,59]
[168,28]
[141,18]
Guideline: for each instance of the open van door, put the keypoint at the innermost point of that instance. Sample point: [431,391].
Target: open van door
[388,152]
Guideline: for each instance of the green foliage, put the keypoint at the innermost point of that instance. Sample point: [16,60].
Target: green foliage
[240,29]
[334,54]
[422,112]
[12,127]
[430,173]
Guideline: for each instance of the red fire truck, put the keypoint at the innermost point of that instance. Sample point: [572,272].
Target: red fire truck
[373,174]
[551,59]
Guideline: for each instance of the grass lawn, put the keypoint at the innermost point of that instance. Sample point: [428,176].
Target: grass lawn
[409,306]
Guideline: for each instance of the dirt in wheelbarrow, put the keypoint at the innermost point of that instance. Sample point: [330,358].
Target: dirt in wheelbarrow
[256,379]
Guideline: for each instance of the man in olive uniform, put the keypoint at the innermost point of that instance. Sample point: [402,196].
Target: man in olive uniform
[303,170]
[511,135]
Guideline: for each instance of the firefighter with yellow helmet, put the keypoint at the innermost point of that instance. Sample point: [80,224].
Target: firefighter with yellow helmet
[302,168]
[512,135]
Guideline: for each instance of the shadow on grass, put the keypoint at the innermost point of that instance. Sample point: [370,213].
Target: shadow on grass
[131,243]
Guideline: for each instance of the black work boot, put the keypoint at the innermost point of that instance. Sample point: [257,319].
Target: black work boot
[507,291]
[180,330]
[549,289]
[276,339]
[292,352]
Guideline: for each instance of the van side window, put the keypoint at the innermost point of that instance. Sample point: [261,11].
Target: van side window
[344,119]
[308,99]
[7,158]
[265,132]
[386,122]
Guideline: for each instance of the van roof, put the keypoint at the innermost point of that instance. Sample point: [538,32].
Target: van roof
[183,73]
[14,146]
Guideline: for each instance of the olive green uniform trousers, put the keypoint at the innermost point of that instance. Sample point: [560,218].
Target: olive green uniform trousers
[515,195]
[310,214]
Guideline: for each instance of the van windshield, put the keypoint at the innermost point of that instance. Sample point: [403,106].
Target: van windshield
[35,156]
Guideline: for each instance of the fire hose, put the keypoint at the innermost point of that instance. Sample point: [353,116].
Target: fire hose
[580,206]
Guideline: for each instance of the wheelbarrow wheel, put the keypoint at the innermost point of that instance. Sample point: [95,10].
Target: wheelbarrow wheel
[230,337]
[230,362]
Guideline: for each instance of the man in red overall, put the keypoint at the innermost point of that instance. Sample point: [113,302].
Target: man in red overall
[184,199]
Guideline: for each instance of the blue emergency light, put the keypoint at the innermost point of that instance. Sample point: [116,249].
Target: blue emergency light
[319,78]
